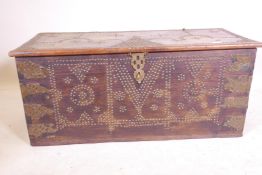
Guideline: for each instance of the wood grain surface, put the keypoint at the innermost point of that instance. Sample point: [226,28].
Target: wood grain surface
[80,43]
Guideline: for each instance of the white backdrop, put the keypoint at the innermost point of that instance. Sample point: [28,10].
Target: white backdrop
[22,19]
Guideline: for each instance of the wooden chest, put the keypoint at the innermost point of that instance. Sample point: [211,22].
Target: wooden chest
[130,86]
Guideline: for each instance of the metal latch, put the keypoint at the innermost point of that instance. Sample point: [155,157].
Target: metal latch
[138,63]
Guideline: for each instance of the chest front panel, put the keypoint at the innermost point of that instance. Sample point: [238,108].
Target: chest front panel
[96,98]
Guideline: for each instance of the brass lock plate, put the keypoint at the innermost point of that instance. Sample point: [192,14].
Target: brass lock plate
[138,63]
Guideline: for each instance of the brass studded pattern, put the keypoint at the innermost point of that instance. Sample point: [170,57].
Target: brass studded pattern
[31,70]
[95,93]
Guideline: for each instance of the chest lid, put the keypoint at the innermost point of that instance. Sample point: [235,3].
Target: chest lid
[79,43]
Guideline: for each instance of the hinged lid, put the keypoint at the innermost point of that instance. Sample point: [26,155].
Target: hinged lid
[50,44]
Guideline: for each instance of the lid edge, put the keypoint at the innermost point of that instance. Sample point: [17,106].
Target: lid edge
[97,51]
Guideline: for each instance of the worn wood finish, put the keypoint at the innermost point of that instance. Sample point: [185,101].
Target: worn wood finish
[96,87]
[45,44]
[94,98]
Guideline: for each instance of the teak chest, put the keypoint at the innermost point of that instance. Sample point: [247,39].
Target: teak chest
[141,85]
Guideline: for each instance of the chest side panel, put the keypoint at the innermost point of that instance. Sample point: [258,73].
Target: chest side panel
[78,99]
